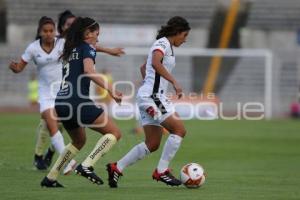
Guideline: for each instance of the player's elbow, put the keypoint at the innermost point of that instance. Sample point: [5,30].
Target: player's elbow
[156,65]
[143,69]
[16,70]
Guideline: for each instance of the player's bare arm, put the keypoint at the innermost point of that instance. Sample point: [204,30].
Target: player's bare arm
[143,70]
[161,70]
[111,51]
[89,69]
[17,67]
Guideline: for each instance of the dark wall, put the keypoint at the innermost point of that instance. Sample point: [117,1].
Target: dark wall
[3,22]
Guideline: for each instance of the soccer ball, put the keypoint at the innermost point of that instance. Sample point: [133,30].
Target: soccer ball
[192,175]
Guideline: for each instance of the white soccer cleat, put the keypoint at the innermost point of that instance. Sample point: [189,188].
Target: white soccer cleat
[69,167]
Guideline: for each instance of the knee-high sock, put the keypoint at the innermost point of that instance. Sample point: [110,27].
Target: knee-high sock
[41,138]
[60,128]
[138,152]
[170,148]
[69,152]
[104,144]
[57,141]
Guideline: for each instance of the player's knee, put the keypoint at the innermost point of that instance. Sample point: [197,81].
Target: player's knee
[181,131]
[79,143]
[152,146]
[117,133]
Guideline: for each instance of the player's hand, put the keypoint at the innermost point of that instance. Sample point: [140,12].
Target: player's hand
[178,90]
[13,66]
[117,52]
[117,96]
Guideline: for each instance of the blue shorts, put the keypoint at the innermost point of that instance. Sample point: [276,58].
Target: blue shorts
[75,114]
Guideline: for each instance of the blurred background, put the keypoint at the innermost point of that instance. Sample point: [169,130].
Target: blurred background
[261,64]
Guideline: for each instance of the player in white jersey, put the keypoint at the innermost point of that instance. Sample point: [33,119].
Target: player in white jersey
[44,52]
[154,87]
[156,111]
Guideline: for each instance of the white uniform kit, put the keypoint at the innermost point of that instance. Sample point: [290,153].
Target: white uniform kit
[152,101]
[49,69]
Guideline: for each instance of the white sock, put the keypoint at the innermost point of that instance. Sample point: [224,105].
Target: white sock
[171,146]
[58,142]
[138,152]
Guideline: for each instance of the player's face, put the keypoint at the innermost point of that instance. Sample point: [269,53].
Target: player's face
[47,33]
[180,38]
[92,36]
[68,23]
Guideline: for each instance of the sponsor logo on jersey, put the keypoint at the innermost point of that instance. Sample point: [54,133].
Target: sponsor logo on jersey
[92,52]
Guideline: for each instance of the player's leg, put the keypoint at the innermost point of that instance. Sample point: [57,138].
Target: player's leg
[177,131]
[153,136]
[51,150]
[57,139]
[41,141]
[78,140]
[111,134]
[49,155]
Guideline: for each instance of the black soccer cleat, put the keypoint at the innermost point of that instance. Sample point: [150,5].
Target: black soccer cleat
[46,182]
[39,162]
[48,157]
[88,172]
[113,175]
[166,177]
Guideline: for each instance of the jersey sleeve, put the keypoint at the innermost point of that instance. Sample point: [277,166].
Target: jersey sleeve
[161,46]
[28,54]
[89,52]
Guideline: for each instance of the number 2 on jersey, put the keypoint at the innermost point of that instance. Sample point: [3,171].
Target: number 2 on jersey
[64,85]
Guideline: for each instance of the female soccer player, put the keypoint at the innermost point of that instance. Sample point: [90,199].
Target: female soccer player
[73,106]
[155,109]
[65,19]
[44,52]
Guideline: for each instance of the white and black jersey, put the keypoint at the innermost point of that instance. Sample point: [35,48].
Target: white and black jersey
[153,104]
[153,82]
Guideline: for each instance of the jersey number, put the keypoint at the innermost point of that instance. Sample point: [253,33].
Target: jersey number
[64,85]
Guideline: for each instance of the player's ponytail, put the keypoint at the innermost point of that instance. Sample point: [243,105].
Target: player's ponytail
[174,26]
[62,18]
[75,34]
[43,21]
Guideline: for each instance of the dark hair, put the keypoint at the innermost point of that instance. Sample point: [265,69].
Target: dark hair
[75,34]
[62,18]
[174,26]
[43,20]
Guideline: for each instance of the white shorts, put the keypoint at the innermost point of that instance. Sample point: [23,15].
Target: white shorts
[46,103]
[154,111]
[47,97]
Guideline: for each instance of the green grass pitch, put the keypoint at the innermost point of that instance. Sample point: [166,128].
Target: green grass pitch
[243,159]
